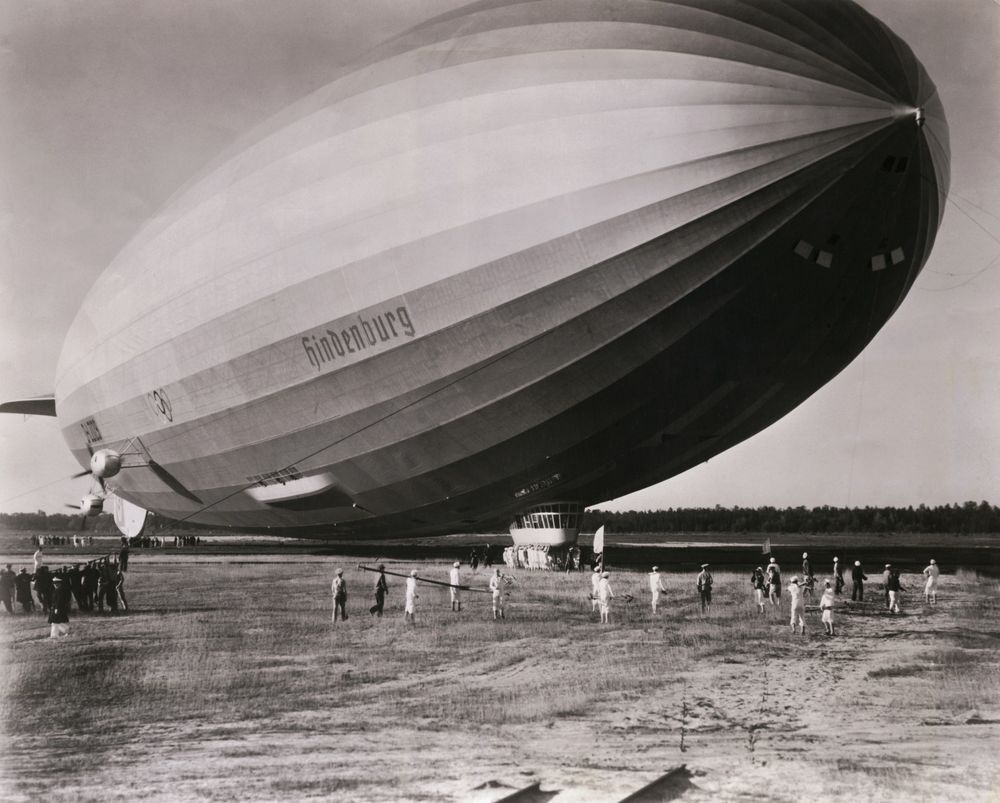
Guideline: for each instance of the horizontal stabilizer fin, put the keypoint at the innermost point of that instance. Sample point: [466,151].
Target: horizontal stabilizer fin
[39,405]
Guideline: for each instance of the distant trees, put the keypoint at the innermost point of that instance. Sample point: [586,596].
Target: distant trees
[968,517]
[104,524]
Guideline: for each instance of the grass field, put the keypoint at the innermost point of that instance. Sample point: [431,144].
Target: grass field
[228,681]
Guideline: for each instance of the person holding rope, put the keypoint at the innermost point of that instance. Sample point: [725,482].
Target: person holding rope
[410,602]
[456,581]
[381,589]
[496,586]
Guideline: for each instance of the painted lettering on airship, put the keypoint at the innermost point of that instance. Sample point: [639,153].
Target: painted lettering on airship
[356,334]
[160,404]
[91,431]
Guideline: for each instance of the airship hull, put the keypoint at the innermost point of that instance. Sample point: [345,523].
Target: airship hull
[529,252]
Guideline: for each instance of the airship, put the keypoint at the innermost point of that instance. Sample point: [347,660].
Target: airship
[524,258]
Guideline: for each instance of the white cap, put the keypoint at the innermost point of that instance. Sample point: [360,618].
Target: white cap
[857,563]
[836,560]
[805,554]
[933,561]
[597,568]
[772,560]
[340,571]
[456,564]
[657,568]
[413,573]
[606,574]
[795,579]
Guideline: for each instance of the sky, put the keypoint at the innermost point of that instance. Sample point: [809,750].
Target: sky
[107,107]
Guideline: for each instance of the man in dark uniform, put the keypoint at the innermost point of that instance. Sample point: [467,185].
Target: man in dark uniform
[838,576]
[858,577]
[91,584]
[7,583]
[381,589]
[44,587]
[59,613]
[76,586]
[23,585]
[123,555]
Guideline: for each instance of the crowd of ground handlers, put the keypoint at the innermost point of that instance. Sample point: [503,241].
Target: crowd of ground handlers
[765,581]
[96,586]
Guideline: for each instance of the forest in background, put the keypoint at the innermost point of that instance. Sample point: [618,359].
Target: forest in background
[968,517]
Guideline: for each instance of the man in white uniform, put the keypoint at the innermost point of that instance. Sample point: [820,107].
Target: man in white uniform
[826,605]
[932,572]
[496,586]
[798,605]
[339,588]
[410,603]
[656,586]
[456,580]
[595,581]
[604,596]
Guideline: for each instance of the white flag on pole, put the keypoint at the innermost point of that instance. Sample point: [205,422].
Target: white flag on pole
[599,540]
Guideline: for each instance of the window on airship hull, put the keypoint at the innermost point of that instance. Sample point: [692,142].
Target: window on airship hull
[821,257]
[896,164]
[555,515]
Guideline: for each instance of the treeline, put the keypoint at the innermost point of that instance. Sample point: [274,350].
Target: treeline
[103,524]
[968,517]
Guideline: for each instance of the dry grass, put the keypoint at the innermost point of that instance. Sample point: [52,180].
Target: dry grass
[235,680]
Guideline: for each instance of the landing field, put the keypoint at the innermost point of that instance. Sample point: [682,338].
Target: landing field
[227,680]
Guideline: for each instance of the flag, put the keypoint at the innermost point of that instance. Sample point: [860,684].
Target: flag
[766,549]
[599,540]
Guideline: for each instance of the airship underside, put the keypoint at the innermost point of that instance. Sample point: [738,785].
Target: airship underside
[528,252]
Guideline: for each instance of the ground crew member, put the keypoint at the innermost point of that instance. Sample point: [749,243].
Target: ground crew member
[930,589]
[773,582]
[59,611]
[381,589]
[604,596]
[798,605]
[705,587]
[858,578]
[23,585]
[39,558]
[339,588]
[759,583]
[894,589]
[410,603]
[456,580]
[826,605]
[119,589]
[7,583]
[808,579]
[595,581]
[838,576]
[496,586]
[886,574]
[656,586]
